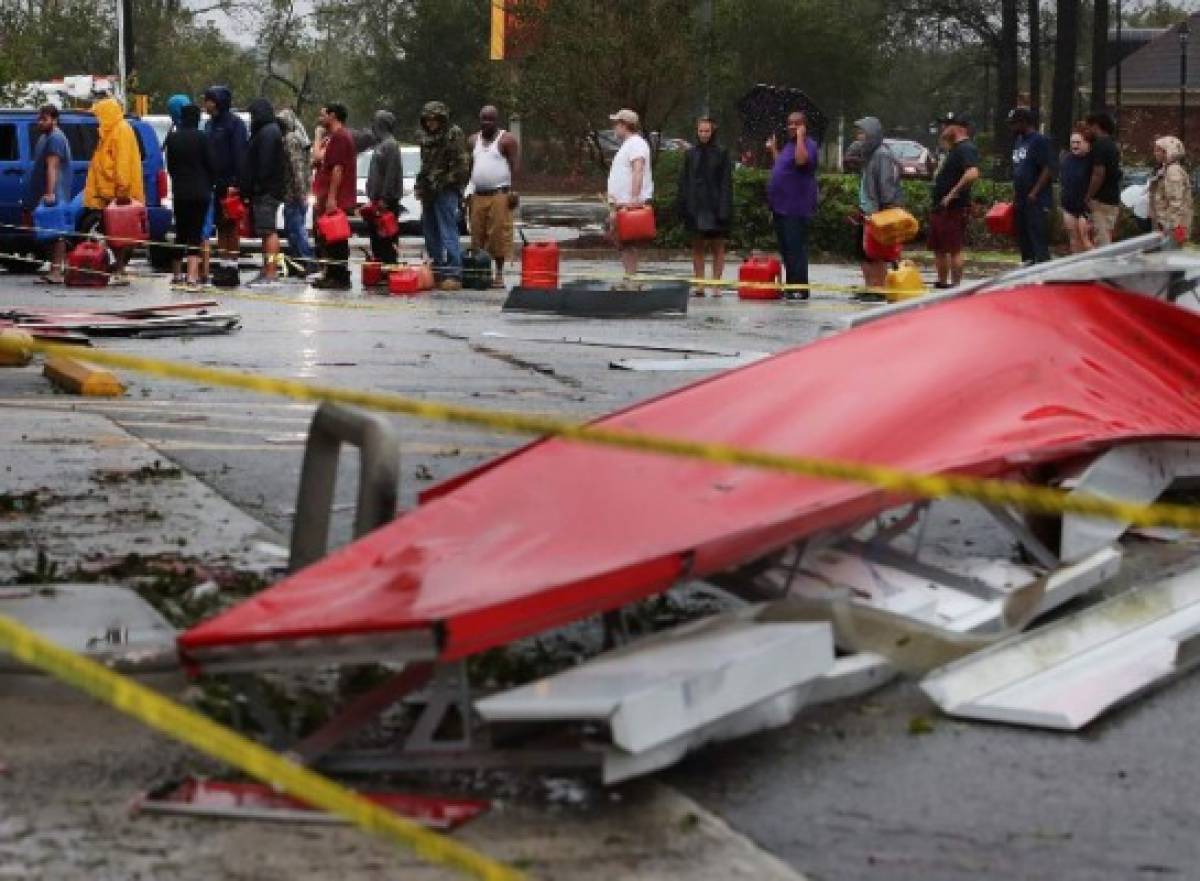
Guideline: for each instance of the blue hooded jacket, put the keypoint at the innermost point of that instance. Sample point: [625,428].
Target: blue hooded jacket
[175,105]
[227,138]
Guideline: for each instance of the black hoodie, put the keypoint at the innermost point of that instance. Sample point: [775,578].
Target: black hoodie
[189,159]
[264,172]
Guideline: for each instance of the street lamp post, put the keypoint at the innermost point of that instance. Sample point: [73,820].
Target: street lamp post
[1120,56]
[1183,47]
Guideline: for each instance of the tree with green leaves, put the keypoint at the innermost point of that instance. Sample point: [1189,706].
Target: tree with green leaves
[592,57]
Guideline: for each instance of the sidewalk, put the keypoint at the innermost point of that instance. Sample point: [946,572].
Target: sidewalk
[80,489]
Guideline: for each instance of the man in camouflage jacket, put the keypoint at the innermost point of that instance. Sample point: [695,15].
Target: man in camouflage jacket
[445,171]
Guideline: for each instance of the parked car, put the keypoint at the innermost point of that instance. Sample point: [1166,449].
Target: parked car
[18,135]
[916,160]
[410,159]
[609,144]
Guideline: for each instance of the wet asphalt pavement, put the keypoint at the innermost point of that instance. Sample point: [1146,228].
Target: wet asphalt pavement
[844,793]
[249,448]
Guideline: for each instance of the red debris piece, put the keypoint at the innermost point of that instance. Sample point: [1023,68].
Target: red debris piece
[257,801]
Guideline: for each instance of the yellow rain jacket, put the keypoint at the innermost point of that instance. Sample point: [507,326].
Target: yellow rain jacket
[116,168]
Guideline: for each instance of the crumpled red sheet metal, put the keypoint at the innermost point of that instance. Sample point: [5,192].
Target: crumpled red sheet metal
[234,799]
[985,385]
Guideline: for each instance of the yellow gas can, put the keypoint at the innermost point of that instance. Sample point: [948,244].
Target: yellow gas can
[904,282]
[893,226]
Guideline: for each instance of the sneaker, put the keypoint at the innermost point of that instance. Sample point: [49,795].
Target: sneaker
[450,284]
[942,285]
[332,284]
[263,282]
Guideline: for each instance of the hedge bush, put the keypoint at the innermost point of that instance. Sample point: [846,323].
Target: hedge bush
[830,233]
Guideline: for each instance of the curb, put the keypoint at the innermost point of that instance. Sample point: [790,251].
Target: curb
[78,378]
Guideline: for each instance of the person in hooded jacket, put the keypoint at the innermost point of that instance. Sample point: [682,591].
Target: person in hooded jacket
[385,185]
[175,105]
[1171,190]
[704,199]
[445,171]
[878,188]
[264,184]
[296,185]
[190,165]
[114,174]
[228,138]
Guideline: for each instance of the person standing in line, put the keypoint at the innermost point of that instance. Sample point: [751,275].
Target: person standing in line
[1171,191]
[175,105]
[1104,189]
[50,181]
[264,185]
[792,195]
[335,187]
[228,140]
[630,179]
[704,200]
[385,184]
[1074,174]
[295,189]
[951,199]
[115,172]
[445,172]
[878,188]
[1033,173]
[190,165]
[495,162]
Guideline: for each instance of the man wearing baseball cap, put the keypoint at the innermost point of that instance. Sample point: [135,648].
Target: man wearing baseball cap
[629,181]
[951,204]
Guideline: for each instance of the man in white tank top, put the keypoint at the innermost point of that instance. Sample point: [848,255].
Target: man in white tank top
[495,161]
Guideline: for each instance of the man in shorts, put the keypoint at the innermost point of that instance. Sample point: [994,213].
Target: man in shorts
[264,184]
[951,203]
[1104,189]
[495,161]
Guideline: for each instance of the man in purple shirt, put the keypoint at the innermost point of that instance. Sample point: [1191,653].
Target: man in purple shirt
[792,195]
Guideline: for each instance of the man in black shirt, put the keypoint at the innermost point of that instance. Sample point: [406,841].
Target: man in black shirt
[1104,189]
[952,199]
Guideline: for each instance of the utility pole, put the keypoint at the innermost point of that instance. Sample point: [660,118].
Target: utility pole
[126,64]
[706,26]
[1120,58]
[1183,50]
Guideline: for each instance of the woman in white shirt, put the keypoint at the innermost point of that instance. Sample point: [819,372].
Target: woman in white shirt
[630,184]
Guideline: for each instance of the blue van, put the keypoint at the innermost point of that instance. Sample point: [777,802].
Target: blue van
[19,134]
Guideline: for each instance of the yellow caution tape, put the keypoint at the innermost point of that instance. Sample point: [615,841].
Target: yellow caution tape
[852,290]
[174,720]
[1034,499]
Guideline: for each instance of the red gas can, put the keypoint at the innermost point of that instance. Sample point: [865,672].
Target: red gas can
[1001,219]
[126,225]
[232,206]
[635,225]
[876,250]
[539,265]
[87,265]
[386,225]
[404,282]
[334,228]
[759,268]
[372,274]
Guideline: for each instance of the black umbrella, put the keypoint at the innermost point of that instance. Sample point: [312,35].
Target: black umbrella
[764,111]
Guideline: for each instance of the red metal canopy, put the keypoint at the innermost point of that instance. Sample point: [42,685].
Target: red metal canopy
[983,385]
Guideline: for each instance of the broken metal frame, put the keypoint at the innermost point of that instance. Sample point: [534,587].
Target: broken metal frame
[893,538]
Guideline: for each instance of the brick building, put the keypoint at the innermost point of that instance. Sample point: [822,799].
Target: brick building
[1149,106]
